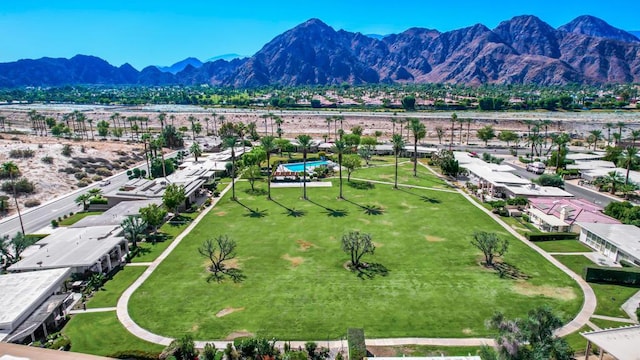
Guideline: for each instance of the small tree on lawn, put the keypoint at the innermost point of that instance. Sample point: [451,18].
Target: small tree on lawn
[252,174]
[357,245]
[218,250]
[351,163]
[153,215]
[133,227]
[490,245]
[174,196]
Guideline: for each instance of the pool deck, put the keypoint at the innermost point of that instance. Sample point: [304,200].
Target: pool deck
[298,184]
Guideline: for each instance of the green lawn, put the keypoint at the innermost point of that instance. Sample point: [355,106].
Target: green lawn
[149,251]
[296,286]
[577,342]
[405,175]
[113,288]
[424,350]
[610,297]
[77,217]
[607,324]
[563,246]
[102,334]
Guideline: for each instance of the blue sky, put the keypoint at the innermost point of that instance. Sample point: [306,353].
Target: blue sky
[163,32]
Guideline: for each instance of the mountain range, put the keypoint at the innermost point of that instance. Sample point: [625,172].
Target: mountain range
[521,50]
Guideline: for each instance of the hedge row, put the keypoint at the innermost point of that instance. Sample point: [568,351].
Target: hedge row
[551,236]
[620,276]
[357,347]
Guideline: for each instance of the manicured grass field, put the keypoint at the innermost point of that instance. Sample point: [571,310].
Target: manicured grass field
[386,173]
[423,351]
[297,287]
[563,246]
[577,342]
[149,251]
[77,217]
[108,296]
[610,297]
[102,334]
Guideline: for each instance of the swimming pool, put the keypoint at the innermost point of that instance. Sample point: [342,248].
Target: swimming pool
[299,167]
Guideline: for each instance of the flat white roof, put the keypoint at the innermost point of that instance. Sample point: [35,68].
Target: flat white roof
[624,237]
[622,343]
[593,164]
[23,292]
[116,214]
[537,190]
[634,176]
[585,156]
[72,247]
[496,174]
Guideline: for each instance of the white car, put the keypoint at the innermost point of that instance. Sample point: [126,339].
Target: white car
[105,182]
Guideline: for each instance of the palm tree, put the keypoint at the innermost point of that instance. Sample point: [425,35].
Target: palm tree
[620,125]
[468,121]
[393,124]
[279,122]
[461,121]
[419,132]
[609,126]
[229,143]
[629,156]
[215,127]
[329,120]
[561,140]
[11,169]
[196,150]
[613,178]
[264,119]
[305,144]
[159,144]
[268,145]
[454,118]
[84,200]
[597,136]
[635,135]
[340,147]
[133,227]
[145,139]
[398,145]
[545,124]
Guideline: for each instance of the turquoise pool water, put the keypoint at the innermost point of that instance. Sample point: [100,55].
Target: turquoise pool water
[299,167]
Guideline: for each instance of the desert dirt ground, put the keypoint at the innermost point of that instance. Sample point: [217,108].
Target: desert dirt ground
[51,181]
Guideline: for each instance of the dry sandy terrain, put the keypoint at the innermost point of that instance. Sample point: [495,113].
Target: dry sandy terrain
[48,180]
[51,183]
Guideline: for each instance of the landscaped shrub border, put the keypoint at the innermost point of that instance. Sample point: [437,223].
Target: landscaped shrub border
[551,236]
[620,276]
[357,346]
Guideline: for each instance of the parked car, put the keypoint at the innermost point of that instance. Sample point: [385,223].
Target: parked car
[536,167]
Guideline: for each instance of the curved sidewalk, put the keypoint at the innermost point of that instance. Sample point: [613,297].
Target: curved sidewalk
[123,313]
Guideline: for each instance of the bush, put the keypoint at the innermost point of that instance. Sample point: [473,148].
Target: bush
[99,201]
[103,171]
[551,236]
[47,160]
[357,346]
[82,184]
[80,175]
[23,186]
[550,180]
[627,264]
[96,178]
[31,203]
[54,223]
[17,154]
[135,355]
[523,160]
[620,276]
[67,150]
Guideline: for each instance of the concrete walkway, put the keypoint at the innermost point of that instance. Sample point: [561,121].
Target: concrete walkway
[611,318]
[631,305]
[96,310]
[569,253]
[139,264]
[404,185]
[579,321]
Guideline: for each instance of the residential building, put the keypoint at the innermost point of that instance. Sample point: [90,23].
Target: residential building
[621,343]
[562,214]
[32,303]
[615,241]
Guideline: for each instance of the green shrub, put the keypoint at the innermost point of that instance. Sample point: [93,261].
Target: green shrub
[357,347]
[80,175]
[523,160]
[551,236]
[67,150]
[47,160]
[31,203]
[619,276]
[135,355]
[17,154]
[54,223]
[82,184]
[103,171]
[627,264]
[23,186]
[99,201]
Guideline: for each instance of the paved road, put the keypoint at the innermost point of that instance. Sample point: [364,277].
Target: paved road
[578,191]
[39,217]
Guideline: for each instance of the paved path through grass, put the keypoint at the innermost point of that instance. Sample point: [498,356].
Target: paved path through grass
[578,322]
[611,318]
[95,310]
